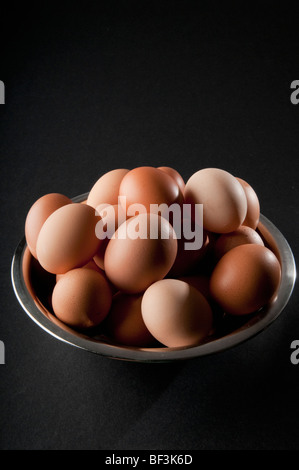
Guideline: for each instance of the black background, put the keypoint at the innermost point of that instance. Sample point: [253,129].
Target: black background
[94,86]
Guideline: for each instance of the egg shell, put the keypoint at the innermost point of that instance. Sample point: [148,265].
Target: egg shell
[175,175]
[223,198]
[132,264]
[124,323]
[148,186]
[105,190]
[253,205]
[82,298]
[67,239]
[38,214]
[243,235]
[176,313]
[245,279]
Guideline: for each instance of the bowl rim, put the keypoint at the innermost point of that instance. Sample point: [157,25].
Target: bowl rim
[256,324]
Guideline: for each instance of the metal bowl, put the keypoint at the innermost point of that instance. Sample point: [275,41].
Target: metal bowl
[32,287]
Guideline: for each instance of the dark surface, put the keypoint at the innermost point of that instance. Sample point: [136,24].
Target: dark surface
[123,84]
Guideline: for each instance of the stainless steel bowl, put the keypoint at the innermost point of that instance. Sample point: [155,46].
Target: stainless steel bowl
[31,286]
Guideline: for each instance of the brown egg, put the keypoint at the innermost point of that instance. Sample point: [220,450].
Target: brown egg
[175,175]
[67,239]
[141,252]
[253,205]
[176,313]
[223,198]
[148,186]
[106,188]
[245,279]
[124,323]
[243,235]
[82,298]
[38,214]
[111,218]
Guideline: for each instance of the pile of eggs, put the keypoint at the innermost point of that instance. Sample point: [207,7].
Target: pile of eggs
[144,291]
